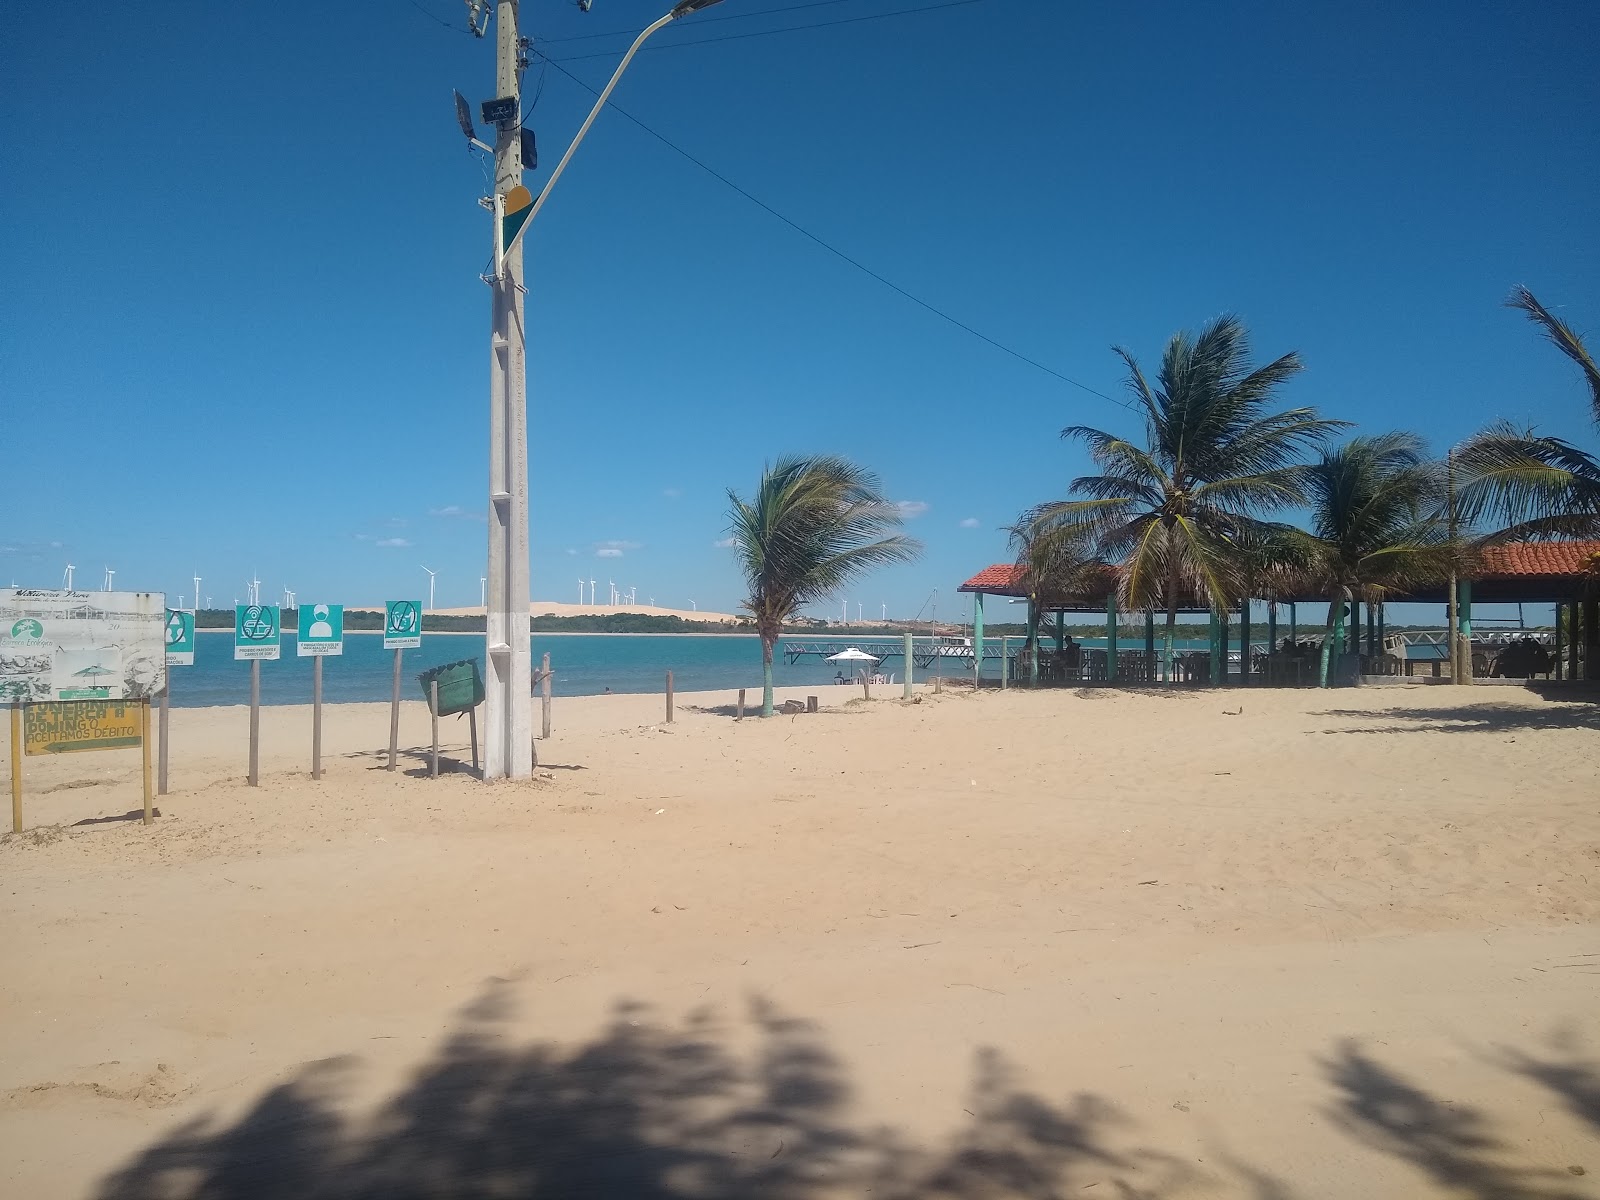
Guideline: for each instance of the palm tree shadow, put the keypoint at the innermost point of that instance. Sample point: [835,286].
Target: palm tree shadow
[1575,1080]
[643,1110]
[1471,718]
[1452,1144]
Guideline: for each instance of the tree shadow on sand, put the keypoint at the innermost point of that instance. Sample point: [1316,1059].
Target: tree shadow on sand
[644,1111]
[1471,718]
[1453,1144]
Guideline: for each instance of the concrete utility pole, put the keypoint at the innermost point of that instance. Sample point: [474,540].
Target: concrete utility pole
[508,704]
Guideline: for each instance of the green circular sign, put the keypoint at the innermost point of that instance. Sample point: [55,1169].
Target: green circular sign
[27,628]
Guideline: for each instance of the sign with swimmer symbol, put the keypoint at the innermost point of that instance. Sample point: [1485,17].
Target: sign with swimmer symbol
[257,632]
[402,624]
[321,630]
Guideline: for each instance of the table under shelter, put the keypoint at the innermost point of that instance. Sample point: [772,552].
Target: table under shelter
[1566,574]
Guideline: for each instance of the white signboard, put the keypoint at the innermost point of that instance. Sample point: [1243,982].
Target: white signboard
[60,645]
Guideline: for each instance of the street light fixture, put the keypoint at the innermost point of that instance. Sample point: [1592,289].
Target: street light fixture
[508,699]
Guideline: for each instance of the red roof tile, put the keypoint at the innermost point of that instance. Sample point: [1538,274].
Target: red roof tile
[1522,560]
[1001,577]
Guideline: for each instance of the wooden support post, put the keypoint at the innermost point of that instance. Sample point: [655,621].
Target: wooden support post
[1294,623]
[144,752]
[16,768]
[1061,633]
[906,692]
[811,704]
[394,714]
[1272,635]
[161,761]
[1034,617]
[1244,642]
[1374,645]
[738,714]
[1355,626]
[1574,639]
[316,717]
[1150,645]
[1111,638]
[1464,604]
[1560,607]
[255,722]
[544,694]
[1005,663]
[866,684]
[669,697]
[1216,649]
[938,685]
[433,704]
[1224,629]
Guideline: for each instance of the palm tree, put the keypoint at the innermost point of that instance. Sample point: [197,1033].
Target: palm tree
[1377,524]
[813,525]
[1215,458]
[1533,486]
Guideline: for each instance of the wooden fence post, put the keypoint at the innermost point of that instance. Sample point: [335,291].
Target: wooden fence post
[669,697]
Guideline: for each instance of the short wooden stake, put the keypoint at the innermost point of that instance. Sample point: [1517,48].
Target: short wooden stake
[866,685]
[938,685]
[255,722]
[161,762]
[544,693]
[316,717]
[739,713]
[394,714]
[669,697]
[811,704]
[16,768]
[144,751]
[433,697]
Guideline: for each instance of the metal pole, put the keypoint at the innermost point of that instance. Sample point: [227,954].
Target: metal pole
[16,768]
[1005,663]
[909,651]
[508,702]
[316,717]
[144,751]
[977,640]
[255,721]
[394,713]
[161,763]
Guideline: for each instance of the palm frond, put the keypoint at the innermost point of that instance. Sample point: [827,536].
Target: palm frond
[1565,339]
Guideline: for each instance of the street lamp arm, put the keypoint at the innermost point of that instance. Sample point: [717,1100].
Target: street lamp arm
[681,10]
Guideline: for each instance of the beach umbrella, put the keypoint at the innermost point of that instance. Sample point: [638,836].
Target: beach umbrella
[851,655]
[92,674]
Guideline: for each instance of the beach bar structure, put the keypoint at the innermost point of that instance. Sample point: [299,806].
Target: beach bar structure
[1566,574]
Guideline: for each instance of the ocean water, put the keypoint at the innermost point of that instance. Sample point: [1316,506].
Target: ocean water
[582,664]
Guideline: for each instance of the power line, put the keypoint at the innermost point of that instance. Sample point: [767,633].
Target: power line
[742,16]
[838,253]
[734,37]
[438,20]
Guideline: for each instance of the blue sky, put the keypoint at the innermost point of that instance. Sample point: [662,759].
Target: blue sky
[243,328]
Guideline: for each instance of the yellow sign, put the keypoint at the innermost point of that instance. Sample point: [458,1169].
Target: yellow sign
[68,725]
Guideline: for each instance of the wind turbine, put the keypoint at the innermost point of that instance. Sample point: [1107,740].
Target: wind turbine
[591,593]
[431,574]
[694,606]
[66,577]
[884,616]
[106,586]
[180,599]
[483,592]
[580,589]
[196,590]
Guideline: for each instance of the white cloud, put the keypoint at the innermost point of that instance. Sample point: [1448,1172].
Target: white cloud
[396,522]
[456,512]
[571,552]
[395,543]
[723,543]
[615,548]
[971,523]
[672,493]
[608,552]
[911,508]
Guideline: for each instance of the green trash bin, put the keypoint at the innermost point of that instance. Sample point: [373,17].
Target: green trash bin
[460,686]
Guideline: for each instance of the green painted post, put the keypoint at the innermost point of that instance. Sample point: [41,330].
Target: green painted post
[1573,640]
[1061,633]
[1224,635]
[1354,626]
[910,663]
[1591,640]
[1294,622]
[1150,644]
[1005,663]
[1272,633]
[1216,649]
[977,639]
[1464,616]
[1244,642]
[1111,638]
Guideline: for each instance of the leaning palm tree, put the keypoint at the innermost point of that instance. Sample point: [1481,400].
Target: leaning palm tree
[1526,485]
[1215,458]
[1377,524]
[813,525]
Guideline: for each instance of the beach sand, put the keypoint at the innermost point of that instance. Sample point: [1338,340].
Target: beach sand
[1264,944]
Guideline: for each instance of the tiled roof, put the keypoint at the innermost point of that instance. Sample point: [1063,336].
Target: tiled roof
[1522,560]
[1001,577]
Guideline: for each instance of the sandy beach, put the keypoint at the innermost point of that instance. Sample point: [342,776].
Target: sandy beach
[1205,944]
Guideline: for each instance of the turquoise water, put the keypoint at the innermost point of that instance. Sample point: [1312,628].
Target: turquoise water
[583,665]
